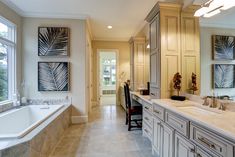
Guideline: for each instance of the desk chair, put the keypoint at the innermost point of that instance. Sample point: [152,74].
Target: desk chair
[133,113]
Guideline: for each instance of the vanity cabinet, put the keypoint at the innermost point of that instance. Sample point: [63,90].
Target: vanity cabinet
[176,136]
[174,47]
[147,120]
[183,147]
[163,137]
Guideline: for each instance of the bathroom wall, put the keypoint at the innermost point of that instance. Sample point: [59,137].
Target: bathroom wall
[77,59]
[206,60]
[124,59]
[13,17]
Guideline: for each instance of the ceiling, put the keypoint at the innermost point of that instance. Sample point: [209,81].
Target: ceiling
[126,16]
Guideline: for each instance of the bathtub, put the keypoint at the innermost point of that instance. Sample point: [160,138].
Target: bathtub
[19,122]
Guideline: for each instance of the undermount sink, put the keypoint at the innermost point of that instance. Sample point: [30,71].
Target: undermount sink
[195,110]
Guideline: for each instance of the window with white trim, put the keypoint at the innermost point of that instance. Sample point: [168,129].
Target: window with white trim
[7,60]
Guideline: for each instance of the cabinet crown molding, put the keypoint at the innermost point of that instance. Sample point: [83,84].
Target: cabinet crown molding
[161,5]
[134,39]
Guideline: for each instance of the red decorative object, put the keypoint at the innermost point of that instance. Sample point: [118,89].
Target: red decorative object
[177,82]
[194,83]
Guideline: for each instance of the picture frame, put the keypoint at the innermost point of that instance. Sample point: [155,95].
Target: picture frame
[53,41]
[223,47]
[223,76]
[53,76]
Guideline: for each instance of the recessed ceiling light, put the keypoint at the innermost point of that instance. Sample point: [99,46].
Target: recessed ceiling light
[109,27]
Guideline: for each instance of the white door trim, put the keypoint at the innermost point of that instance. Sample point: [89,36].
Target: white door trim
[116,51]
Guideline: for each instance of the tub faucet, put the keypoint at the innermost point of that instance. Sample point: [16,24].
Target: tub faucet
[46,102]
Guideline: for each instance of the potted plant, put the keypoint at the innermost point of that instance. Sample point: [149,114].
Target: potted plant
[177,85]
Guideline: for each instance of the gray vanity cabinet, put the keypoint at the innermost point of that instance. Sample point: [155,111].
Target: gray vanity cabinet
[183,147]
[167,140]
[156,141]
[163,137]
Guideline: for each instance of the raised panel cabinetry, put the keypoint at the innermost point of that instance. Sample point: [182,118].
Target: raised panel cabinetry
[174,47]
[163,135]
[139,68]
[183,148]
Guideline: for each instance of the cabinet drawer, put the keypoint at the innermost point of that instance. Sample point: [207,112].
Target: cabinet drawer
[147,117]
[136,98]
[202,153]
[158,111]
[154,93]
[147,132]
[147,107]
[211,141]
[178,123]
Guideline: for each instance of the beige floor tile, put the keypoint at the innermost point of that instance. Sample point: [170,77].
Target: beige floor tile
[105,135]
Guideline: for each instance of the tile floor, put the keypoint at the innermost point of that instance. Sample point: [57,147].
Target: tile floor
[105,135]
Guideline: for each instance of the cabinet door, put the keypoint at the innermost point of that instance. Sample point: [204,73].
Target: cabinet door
[183,148]
[167,141]
[155,70]
[154,34]
[156,141]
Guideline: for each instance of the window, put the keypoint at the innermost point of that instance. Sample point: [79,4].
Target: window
[7,59]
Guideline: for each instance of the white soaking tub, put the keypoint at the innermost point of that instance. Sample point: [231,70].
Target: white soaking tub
[17,123]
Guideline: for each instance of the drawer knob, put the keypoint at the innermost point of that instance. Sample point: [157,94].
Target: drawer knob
[199,155]
[146,107]
[152,94]
[146,118]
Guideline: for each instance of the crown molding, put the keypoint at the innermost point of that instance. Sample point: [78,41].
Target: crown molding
[43,14]
[13,7]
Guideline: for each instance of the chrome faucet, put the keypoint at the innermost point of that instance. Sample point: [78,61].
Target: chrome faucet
[213,102]
[222,106]
[205,103]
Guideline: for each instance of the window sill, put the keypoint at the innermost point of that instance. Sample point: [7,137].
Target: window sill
[6,105]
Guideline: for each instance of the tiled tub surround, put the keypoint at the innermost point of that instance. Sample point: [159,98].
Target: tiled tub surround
[41,140]
[17,123]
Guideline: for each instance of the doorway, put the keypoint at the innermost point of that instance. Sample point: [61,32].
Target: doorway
[107,75]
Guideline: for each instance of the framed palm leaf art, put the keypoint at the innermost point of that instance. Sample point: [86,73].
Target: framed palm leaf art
[224,75]
[53,76]
[223,47]
[53,41]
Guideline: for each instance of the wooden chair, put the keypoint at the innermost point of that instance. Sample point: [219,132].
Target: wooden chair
[132,111]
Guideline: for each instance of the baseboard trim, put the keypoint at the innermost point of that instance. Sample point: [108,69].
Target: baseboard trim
[79,119]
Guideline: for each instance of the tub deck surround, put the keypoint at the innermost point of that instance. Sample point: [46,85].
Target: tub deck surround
[220,122]
[17,123]
[58,121]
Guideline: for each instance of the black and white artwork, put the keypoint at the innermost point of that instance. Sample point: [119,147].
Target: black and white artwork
[53,76]
[53,41]
[223,76]
[223,47]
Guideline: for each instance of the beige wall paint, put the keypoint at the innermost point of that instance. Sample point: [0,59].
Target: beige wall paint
[124,59]
[13,17]
[77,61]
[206,60]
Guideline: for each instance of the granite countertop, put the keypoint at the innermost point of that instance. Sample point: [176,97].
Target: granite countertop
[220,122]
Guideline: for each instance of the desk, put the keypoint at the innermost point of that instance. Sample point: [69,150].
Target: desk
[145,101]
